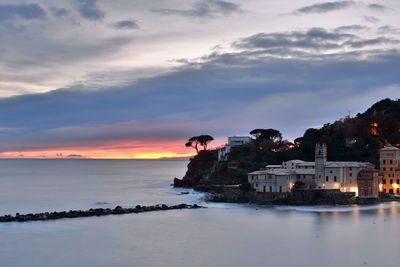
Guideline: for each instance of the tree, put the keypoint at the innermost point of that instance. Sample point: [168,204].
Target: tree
[202,140]
[193,142]
[267,134]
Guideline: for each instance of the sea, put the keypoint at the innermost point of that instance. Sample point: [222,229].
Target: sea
[220,235]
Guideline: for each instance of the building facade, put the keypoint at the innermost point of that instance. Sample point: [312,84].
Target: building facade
[233,141]
[368,184]
[389,169]
[321,174]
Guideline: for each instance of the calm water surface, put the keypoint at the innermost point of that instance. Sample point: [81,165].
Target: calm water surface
[222,235]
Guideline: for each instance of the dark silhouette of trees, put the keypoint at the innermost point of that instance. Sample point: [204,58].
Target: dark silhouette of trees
[201,140]
[267,134]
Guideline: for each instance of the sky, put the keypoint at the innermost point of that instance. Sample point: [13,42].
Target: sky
[136,79]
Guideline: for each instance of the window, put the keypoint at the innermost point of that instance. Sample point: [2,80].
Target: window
[384,169]
[330,172]
[280,188]
[397,181]
[398,190]
[350,174]
[270,189]
[350,168]
[384,161]
[384,181]
[335,178]
[391,181]
[390,191]
[391,161]
[327,178]
[391,169]
[264,189]
[256,185]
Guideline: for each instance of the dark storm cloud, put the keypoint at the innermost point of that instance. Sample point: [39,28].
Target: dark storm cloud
[378,7]
[203,9]
[128,24]
[348,28]
[324,7]
[315,39]
[226,93]
[389,29]
[89,9]
[371,19]
[59,12]
[30,11]
[372,42]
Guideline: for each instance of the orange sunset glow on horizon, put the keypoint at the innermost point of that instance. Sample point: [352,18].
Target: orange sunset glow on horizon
[138,149]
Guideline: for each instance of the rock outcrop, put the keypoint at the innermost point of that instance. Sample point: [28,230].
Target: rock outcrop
[205,173]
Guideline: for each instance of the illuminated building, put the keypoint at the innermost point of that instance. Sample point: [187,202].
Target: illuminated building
[389,158]
[368,184]
[321,174]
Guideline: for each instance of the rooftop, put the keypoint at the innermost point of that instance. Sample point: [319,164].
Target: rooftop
[342,164]
[389,148]
[280,172]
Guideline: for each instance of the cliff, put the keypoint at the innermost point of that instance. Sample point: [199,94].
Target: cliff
[205,173]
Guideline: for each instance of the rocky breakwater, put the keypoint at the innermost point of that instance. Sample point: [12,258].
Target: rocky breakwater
[91,213]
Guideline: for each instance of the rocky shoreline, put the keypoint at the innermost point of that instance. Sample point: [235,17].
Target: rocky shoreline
[46,216]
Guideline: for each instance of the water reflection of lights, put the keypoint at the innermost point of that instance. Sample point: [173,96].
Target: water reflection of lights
[393,206]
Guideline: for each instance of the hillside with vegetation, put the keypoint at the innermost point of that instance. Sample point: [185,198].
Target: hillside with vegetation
[349,139]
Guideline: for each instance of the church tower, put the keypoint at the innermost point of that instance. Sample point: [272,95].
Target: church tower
[320,162]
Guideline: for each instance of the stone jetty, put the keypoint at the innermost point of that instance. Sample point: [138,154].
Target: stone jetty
[91,212]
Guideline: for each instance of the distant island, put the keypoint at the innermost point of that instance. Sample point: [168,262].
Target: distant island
[252,169]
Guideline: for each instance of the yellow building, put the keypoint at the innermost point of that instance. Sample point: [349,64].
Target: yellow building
[390,169]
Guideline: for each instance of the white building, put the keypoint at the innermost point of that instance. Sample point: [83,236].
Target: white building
[279,180]
[232,142]
[321,174]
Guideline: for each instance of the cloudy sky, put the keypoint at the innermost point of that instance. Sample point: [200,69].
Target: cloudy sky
[131,78]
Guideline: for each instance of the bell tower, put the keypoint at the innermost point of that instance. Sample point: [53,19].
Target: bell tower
[320,162]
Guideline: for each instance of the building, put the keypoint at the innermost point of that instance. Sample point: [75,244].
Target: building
[368,184]
[275,180]
[233,141]
[389,158]
[321,174]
